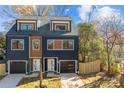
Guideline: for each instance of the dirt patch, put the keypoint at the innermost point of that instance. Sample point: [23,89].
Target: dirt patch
[97,81]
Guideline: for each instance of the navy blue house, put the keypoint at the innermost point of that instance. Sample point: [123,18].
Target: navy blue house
[52,41]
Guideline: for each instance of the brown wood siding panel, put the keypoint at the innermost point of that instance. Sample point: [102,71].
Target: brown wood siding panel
[35,53]
[57,44]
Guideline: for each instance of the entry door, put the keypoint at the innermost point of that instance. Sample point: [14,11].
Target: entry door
[36,64]
[51,64]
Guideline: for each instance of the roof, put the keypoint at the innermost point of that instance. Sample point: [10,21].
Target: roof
[43,27]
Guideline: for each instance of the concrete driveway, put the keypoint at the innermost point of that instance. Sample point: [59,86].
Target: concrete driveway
[71,80]
[10,81]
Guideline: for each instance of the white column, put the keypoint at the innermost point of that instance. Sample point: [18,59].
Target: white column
[26,66]
[8,66]
[76,66]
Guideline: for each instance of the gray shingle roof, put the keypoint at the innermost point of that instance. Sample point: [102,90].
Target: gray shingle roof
[44,27]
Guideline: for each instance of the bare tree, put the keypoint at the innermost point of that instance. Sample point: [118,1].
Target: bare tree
[59,10]
[111,29]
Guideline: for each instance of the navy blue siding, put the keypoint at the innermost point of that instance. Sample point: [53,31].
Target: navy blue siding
[17,54]
[61,54]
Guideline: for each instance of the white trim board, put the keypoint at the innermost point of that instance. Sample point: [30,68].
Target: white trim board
[25,21]
[61,25]
[60,21]
[17,39]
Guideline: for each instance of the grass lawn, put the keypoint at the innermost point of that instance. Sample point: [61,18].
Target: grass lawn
[32,82]
[97,81]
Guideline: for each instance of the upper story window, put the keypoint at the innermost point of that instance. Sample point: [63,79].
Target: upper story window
[50,44]
[17,44]
[36,44]
[26,25]
[68,44]
[60,25]
[60,44]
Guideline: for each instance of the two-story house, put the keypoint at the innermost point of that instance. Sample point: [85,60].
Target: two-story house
[51,41]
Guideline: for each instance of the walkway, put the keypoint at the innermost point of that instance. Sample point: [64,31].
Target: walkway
[10,81]
[71,80]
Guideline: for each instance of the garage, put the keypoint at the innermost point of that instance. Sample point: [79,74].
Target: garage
[67,66]
[17,67]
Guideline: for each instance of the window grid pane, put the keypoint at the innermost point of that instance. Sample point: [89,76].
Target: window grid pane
[17,44]
[50,44]
[67,44]
[25,26]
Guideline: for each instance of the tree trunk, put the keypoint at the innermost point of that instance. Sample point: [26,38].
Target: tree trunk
[83,57]
[109,65]
[41,75]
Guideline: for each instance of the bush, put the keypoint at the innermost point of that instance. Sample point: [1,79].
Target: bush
[115,69]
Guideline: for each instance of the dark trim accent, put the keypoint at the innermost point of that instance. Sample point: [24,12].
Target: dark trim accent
[17,35]
[70,25]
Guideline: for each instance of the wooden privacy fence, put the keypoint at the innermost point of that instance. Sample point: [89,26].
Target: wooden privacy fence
[89,67]
[2,69]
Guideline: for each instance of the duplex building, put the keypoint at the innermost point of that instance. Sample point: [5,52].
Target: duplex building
[51,41]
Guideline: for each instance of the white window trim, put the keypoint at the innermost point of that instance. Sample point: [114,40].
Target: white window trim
[32,44]
[60,21]
[61,25]
[61,44]
[25,21]
[26,25]
[17,39]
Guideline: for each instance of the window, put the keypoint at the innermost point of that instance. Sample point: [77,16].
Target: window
[60,27]
[25,26]
[60,44]
[17,44]
[50,44]
[68,44]
[36,44]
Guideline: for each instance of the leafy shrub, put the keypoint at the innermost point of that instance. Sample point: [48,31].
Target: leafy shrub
[115,69]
